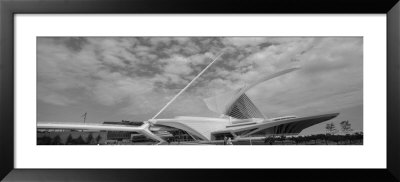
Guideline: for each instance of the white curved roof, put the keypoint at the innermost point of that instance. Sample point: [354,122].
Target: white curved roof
[224,103]
[199,126]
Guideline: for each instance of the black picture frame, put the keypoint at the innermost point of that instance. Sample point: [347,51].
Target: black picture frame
[9,8]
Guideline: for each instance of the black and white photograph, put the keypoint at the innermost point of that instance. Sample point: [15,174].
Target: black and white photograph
[177,90]
[134,90]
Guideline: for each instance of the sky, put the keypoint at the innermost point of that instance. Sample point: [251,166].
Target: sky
[132,78]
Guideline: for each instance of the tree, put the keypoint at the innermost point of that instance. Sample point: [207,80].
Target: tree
[298,139]
[90,139]
[322,137]
[335,138]
[69,140]
[330,128]
[346,126]
[45,140]
[79,140]
[98,138]
[358,136]
[57,140]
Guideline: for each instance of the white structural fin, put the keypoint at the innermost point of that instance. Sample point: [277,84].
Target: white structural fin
[244,108]
[236,103]
[187,86]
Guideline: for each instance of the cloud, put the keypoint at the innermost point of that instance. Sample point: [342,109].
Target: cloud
[177,65]
[137,76]
[330,78]
[54,98]
[160,41]
[244,41]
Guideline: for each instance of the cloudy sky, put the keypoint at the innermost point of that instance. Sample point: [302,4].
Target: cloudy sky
[132,78]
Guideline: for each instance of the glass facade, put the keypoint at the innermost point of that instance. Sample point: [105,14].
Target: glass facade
[119,135]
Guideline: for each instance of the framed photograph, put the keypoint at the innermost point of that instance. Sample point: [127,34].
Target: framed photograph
[141,90]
